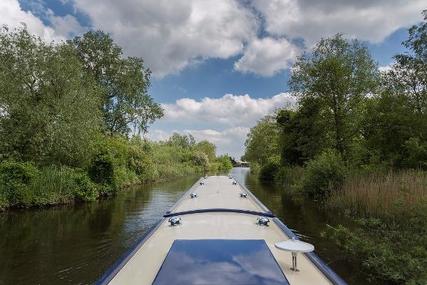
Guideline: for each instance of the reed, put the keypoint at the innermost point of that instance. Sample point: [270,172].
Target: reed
[381,194]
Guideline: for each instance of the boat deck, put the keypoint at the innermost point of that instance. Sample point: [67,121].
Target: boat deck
[217,192]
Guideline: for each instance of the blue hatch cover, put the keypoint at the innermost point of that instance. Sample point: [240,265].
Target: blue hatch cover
[216,261]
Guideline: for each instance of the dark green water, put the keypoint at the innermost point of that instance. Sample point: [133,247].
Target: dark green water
[76,244]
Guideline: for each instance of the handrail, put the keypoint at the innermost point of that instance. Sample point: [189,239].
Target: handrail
[219,210]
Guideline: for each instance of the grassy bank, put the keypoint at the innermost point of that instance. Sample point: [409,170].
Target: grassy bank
[378,194]
[115,164]
[390,208]
[389,239]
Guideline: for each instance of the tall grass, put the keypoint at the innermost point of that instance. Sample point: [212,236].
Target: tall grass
[380,194]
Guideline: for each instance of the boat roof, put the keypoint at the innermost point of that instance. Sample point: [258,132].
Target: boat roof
[218,213]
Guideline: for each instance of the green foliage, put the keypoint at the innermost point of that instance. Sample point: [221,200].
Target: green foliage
[339,74]
[350,141]
[268,171]
[262,142]
[101,169]
[224,162]
[83,188]
[66,113]
[124,83]
[392,251]
[416,151]
[183,141]
[201,159]
[302,132]
[15,180]
[324,174]
[207,148]
[22,184]
[48,104]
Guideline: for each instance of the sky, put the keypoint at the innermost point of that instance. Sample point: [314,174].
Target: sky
[220,65]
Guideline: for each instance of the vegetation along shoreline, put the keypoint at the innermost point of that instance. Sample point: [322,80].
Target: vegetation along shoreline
[357,144]
[72,119]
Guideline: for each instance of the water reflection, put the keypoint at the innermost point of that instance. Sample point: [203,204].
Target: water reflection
[75,244]
[237,262]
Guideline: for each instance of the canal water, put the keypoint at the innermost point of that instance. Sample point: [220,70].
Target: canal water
[76,244]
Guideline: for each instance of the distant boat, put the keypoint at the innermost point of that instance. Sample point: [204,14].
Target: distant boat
[219,233]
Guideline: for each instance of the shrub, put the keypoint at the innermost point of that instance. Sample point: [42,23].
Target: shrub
[201,159]
[268,171]
[290,178]
[54,185]
[60,185]
[383,245]
[84,188]
[224,163]
[101,169]
[124,177]
[324,174]
[15,178]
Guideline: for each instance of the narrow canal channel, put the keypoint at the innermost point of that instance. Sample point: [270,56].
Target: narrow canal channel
[75,244]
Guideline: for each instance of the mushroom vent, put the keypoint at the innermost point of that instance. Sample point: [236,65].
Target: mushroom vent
[175,221]
[243,195]
[263,221]
[193,195]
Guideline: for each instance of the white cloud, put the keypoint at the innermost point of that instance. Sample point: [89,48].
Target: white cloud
[171,35]
[224,121]
[13,16]
[312,19]
[267,56]
[229,110]
[60,28]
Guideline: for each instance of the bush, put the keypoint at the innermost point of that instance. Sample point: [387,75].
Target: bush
[224,163]
[15,180]
[54,185]
[84,189]
[324,174]
[269,171]
[101,169]
[290,178]
[392,251]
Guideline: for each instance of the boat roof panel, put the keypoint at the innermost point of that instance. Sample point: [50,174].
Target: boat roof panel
[220,261]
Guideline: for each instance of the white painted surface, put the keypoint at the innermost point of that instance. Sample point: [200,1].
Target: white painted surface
[218,192]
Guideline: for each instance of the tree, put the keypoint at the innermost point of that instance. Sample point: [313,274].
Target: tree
[207,148]
[303,134]
[340,74]
[262,142]
[48,103]
[124,83]
[396,128]
[183,141]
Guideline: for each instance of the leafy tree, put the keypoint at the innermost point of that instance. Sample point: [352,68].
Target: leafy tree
[262,142]
[184,141]
[124,83]
[48,104]
[207,148]
[225,162]
[396,127]
[303,134]
[339,73]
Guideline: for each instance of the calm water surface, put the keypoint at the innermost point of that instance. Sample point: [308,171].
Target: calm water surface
[76,244]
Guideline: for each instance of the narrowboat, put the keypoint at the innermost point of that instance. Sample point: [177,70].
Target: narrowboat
[220,233]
